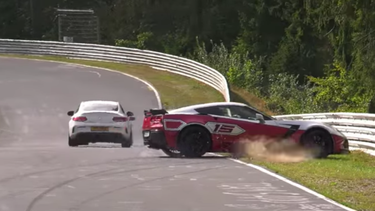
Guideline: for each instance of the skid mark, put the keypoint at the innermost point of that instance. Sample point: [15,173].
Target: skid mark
[66,182]
[137,184]
[15,177]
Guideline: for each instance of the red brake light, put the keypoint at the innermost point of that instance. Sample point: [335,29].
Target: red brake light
[79,119]
[147,114]
[120,119]
[156,119]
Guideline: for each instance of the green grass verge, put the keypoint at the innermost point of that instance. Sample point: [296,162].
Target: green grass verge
[347,179]
[175,90]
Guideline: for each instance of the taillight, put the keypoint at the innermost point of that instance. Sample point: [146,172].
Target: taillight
[156,119]
[120,119]
[79,119]
[147,113]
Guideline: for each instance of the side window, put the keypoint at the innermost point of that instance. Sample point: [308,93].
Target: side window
[243,112]
[78,108]
[122,110]
[216,110]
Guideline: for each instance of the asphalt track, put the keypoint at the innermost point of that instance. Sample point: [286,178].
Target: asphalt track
[39,172]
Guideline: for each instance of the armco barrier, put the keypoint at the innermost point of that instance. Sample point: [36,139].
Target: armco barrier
[170,63]
[356,126]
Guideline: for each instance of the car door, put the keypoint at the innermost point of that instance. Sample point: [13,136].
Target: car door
[238,122]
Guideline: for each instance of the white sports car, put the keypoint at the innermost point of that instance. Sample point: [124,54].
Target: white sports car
[100,121]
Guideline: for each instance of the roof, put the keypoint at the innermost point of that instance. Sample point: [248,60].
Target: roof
[193,107]
[90,102]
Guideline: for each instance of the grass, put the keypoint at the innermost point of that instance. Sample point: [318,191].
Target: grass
[175,90]
[347,179]
[243,96]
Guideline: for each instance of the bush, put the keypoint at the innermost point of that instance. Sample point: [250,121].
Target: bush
[287,96]
[141,42]
[281,91]
[237,69]
[340,91]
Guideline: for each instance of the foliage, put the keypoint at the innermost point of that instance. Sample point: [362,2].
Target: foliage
[286,95]
[340,91]
[237,68]
[282,91]
[140,43]
[268,47]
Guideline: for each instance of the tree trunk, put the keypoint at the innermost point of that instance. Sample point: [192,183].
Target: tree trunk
[371,106]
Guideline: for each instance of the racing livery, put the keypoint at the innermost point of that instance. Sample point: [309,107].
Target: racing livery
[195,130]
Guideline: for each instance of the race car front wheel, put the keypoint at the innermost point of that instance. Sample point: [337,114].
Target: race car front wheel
[319,141]
[194,141]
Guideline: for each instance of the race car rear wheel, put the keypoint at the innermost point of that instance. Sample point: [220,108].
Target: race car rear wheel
[319,141]
[171,152]
[194,141]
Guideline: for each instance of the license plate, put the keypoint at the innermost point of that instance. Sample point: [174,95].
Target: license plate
[99,129]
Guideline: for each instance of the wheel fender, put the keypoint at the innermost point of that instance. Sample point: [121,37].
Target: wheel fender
[195,125]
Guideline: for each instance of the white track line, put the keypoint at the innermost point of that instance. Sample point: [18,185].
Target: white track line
[293,184]
[237,161]
[100,68]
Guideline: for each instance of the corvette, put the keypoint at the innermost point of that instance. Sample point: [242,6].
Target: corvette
[192,131]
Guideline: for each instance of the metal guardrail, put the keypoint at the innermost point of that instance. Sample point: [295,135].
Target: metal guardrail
[170,63]
[356,126]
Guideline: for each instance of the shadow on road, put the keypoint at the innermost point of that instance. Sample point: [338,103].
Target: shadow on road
[204,157]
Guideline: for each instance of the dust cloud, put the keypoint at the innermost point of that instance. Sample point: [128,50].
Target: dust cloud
[273,150]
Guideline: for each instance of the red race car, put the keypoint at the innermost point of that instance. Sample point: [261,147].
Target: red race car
[195,130]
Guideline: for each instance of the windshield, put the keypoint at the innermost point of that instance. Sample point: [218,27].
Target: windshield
[99,107]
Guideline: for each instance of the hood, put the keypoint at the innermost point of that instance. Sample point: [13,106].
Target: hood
[306,124]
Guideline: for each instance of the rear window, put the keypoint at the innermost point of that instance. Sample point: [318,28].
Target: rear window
[99,107]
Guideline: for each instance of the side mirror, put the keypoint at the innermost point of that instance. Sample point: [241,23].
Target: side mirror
[129,113]
[260,118]
[70,113]
[132,118]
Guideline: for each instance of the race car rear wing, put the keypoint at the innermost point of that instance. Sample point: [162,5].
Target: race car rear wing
[155,111]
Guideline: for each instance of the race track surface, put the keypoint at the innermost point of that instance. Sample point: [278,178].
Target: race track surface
[39,172]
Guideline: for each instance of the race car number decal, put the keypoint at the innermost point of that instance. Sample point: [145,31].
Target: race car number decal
[224,128]
[221,128]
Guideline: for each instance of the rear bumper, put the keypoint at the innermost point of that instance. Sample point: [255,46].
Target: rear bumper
[106,137]
[154,139]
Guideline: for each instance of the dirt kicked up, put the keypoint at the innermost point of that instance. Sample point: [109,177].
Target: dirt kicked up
[272,150]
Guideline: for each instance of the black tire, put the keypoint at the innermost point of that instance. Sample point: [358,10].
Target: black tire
[194,141]
[127,143]
[171,153]
[72,142]
[318,140]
